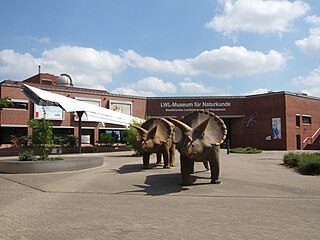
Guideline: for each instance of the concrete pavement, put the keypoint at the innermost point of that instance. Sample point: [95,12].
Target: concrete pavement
[258,199]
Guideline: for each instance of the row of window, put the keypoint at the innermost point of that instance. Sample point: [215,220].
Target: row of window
[18,105]
[305,119]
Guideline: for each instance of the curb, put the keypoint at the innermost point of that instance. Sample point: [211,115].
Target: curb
[15,166]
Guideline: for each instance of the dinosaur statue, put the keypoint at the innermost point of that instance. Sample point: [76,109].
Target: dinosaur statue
[156,136]
[198,137]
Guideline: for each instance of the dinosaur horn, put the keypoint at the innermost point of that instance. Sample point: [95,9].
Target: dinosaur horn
[140,129]
[153,132]
[202,126]
[184,127]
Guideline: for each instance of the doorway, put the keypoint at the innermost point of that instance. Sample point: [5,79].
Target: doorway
[298,142]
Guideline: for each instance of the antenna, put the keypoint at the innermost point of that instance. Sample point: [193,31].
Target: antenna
[39,69]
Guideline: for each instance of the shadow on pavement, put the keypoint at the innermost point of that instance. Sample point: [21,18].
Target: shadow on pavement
[160,184]
[131,168]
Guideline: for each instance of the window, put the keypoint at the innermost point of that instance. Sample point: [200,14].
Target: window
[306,119]
[298,120]
[19,104]
[120,106]
[46,81]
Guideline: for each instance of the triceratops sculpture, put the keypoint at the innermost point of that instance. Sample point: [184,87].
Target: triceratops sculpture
[198,138]
[156,136]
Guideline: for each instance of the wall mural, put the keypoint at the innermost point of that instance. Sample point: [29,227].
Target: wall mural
[276,128]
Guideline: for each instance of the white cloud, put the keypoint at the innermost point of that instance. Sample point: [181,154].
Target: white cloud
[133,92]
[40,40]
[237,61]
[309,84]
[149,86]
[154,65]
[85,65]
[95,69]
[260,16]
[155,84]
[198,88]
[311,44]
[313,19]
[18,65]
[223,62]
[257,91]
[88,67]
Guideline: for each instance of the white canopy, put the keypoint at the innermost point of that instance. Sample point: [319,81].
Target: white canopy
[94,113]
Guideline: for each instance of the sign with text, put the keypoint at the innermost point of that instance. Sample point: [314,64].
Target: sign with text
[48,112]
[181,107]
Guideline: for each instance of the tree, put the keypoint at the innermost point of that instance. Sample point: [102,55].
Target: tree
[42,135]
[131,138]
[5,102]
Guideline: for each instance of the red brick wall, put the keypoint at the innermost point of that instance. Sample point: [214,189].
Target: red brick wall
[240,109]
[264,107]
[302,106]
[20,117]
[13,116]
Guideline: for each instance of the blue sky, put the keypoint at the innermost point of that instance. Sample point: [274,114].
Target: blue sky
[166,47]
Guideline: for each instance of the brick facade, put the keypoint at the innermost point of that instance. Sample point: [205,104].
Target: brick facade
[250,119]
[18,118]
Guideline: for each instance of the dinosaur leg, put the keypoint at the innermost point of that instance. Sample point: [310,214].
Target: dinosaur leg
[146,160]
[206,165]
[215,165]
[185,167]
[172,155]
[166,158]
[158,158]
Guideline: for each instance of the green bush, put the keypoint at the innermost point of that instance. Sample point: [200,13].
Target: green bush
[245,150]
[70,140]
[58,140]
[291,159]
[41,132]
[27,156]
[305,163]
[106,139]
[131,138]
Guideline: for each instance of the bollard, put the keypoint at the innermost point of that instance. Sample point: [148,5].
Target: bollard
[228,146]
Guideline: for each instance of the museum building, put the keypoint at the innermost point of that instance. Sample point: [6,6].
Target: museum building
[271,121]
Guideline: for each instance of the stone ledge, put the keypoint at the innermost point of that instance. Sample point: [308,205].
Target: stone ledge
[15,166]
[15,151]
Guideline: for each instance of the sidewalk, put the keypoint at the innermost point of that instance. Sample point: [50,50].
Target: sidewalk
[259,198]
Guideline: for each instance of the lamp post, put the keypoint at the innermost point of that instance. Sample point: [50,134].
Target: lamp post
[80,113]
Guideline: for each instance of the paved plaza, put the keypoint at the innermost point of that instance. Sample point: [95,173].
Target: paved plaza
[259,198]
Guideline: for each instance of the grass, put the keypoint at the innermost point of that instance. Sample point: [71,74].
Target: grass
[246,150]
[305,163]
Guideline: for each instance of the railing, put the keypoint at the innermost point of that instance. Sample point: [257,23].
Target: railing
[310,140]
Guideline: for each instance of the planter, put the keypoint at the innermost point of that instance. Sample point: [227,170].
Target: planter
[16,166]
[15,151]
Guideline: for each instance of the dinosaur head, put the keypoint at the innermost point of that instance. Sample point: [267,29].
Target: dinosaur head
[153,133]
[197,133]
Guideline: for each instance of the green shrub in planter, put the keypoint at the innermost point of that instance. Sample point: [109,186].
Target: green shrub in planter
[291,159]
[106,139]
[245,150]
[69,141]
[305,163]
[27,156]
[309,163]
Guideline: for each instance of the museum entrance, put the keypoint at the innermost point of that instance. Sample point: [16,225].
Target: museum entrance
[227,122]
